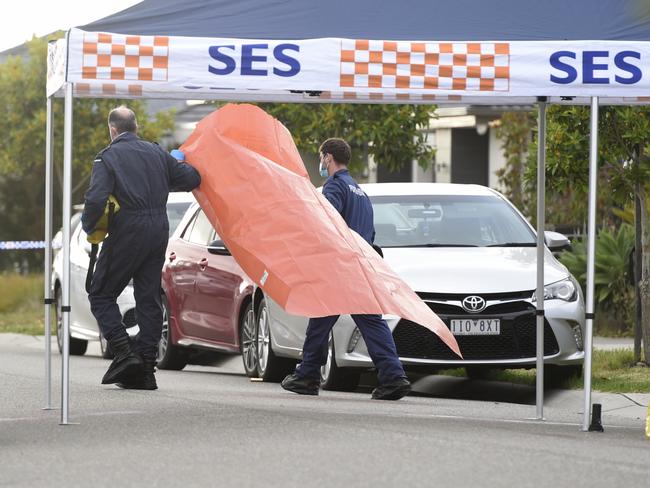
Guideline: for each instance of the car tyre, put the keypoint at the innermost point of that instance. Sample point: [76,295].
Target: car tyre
[334,378]
[169,356]
[269,366]
[247,342]
[105,347]
[78,347]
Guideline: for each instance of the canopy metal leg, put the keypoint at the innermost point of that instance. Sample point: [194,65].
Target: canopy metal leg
[591,258]
[65,286]
[47,264]
[541,218]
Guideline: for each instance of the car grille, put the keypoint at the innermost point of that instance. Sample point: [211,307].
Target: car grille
[517,339]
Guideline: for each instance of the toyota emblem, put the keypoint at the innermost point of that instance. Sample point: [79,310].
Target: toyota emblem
[473,304]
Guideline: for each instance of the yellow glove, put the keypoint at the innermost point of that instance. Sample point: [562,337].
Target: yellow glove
[101,229]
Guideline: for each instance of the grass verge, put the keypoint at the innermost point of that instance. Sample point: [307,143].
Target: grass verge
[21,304]
[612,371]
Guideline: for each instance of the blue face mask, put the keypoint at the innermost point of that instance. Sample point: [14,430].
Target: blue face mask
[323,170]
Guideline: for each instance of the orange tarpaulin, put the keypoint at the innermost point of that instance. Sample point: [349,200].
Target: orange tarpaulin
[283,232]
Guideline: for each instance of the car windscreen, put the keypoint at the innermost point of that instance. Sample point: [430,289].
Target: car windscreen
[175,212]
[448,221]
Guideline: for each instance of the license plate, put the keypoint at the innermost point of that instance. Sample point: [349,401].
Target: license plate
[475,326]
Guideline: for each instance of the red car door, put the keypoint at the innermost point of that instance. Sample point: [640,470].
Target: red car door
[206,286]
[186,255]
[218,284]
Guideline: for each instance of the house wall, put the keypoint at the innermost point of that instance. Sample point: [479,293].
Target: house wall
[469,156]
[496,159]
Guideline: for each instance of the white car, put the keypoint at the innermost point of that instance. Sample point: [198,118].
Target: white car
[471,256]
[83,326]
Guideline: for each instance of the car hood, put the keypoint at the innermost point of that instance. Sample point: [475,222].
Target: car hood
[472,270]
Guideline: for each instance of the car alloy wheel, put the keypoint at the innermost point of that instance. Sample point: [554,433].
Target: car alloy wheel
[169,355]
[247,341]
[334,378]
[326,368]
[269,366]
[164,333]
[263,337]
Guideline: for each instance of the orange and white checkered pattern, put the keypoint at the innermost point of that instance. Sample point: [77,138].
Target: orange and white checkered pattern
[483,66]
[112,90]
[121,57]
[377,96]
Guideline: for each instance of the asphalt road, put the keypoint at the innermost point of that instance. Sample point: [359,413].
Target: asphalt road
[211,426]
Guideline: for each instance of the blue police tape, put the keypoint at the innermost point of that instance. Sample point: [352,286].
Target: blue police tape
[19,245]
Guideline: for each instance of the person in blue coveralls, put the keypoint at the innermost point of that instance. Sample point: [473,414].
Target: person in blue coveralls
[139,175]
[353,204]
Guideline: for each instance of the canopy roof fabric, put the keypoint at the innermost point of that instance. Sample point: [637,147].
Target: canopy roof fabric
[501,52]
[457,20]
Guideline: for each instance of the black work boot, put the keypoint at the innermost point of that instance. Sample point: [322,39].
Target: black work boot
[300,385]
[393,390]
[125,365]
[145,380]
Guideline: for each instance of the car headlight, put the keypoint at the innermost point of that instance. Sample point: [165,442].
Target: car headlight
[354,340]
[565,290]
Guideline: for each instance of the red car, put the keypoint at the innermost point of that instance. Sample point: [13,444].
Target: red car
[207,298]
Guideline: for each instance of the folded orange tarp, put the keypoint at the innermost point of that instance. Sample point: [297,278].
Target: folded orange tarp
[283,232]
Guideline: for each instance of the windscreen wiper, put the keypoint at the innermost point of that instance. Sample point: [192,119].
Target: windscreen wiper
[514,244]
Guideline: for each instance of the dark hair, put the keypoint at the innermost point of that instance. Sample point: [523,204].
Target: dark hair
[338,148]
[122,119]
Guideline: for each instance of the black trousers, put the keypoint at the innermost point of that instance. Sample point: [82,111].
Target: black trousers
[376,334]
[134,250]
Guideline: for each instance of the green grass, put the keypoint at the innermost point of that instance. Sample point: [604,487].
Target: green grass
[21,303]
[612,371]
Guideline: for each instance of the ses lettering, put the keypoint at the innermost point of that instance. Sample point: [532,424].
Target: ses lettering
[595,65]
[253,59]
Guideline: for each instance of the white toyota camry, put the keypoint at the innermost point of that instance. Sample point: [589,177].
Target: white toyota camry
[471,256]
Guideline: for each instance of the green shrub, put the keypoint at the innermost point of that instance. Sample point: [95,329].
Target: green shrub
[613,288]
[19,293]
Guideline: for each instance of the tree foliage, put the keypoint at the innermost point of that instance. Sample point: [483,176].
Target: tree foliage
[22,154]
[613,285]
[392,134]
[623,172]
[623,136]
[515,131]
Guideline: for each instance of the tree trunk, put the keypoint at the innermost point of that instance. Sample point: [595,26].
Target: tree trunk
[644,285]
[637,271]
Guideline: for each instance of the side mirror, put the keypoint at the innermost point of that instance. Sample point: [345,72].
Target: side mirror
[219,248]
[557,242]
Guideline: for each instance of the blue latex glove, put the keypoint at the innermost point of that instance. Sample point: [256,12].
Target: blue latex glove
[178,154]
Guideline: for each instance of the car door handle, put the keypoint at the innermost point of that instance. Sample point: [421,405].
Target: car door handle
[172,256]
[203,264]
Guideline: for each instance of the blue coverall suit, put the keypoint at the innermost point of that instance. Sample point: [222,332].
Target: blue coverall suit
[140,176]
[354,206]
